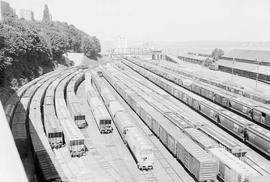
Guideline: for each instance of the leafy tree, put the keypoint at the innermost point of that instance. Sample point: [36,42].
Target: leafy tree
[29,48]
[46,14]
[91,47]
[217,54]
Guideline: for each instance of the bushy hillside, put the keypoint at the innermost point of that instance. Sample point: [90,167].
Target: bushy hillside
[29,49]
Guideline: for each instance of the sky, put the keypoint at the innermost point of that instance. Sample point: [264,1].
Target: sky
[161,20]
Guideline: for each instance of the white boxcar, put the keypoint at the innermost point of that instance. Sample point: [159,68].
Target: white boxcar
[123,123]
[101,115]
[53,130]
[108,98]
[115,107]
[232,169]
[73,136]
[140,148]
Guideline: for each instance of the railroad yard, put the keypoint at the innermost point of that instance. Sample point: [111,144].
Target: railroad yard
[134,119]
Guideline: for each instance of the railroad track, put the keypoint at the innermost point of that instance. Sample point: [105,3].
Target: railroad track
[100,160]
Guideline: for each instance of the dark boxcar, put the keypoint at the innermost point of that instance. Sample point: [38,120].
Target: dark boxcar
[259,138]
[210,110]
[233,123]
[261,115]
[242,106]
[221,99]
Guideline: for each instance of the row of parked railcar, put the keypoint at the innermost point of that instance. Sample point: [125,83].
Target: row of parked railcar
[258,112]
[212,81]
[241,171]
[242,128]
[19,120]
[12,102]
[73,137]
[198,162]
[228,142]
[52,125]
[131,135]
[98,109]
[73,102]
[49,167]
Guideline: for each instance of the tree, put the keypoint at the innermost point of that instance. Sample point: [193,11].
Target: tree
[91,47]
[46,14]
[217,54]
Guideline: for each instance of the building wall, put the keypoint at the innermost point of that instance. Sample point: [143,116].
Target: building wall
[27,14]
[6,10]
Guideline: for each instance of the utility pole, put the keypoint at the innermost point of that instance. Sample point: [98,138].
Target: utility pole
[232,67]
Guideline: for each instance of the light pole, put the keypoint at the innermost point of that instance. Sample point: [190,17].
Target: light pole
[257,74]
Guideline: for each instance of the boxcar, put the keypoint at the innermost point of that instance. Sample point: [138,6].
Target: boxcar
[234,123]
[140,148]
[259,138]
[232,169]
[226,141]
[195,159]
[73,137]
[114,107]
[201,139]
[123,123]
[77,113]
[242,106]
[101,115]
[53,131]
[210,110]
[108,98]
[221,99]
[261,115]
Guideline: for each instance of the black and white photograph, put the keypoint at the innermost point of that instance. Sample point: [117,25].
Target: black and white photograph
[135,91]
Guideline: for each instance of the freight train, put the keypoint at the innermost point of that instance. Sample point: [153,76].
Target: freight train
[99,111]
[203,164]
[131,135]
[256,111]
[242,128]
